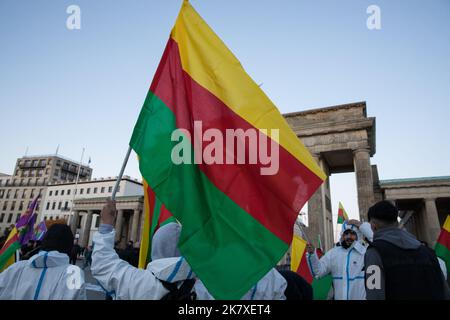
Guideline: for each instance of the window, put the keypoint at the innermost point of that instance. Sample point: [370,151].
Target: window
[95,190]
[59,205]
[6,183]
[5,204]
[2,193]
[17,217]
[50,193]
[2,216]
[62,192]
[81,191]
[33,173]
[29,182]
[35,163]
[22,182]
[13,205]
[57,217]
[56,193]
[88,190]
[53,205]
[66,205]
[68,192]
[56,173]
[37,205]
[110,189]
[43,163]
[97,221]
[48,206]
[9,218]
[21,205]
[40,172]
[103,190]
[44,182]
[32,193]
[8,193]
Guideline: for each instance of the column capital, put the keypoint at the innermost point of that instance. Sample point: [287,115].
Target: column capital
[429,199]
[361,149]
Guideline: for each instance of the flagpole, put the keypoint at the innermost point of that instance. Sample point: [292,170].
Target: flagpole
[119,177]
[75,188]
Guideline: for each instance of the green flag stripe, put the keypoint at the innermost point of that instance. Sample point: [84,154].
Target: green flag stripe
[443,253]
[227,248]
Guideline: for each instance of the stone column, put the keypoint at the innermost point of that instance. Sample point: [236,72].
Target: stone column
[74,222]
[364,181]
[118,225]
[316,212]
[87,228]
[431,225]
[134,226]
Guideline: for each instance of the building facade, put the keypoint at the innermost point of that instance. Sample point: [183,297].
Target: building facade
[89,197]
[31,177]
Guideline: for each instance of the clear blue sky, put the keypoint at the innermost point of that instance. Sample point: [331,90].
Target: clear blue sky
[84,88]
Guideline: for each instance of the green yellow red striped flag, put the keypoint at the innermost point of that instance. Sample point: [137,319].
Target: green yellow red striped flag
[442,247]
[155,216]
[299,262]
[7,252]
[342,214]
[237,223]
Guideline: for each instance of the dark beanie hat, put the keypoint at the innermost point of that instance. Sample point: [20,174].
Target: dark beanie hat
[383,211]
[59,237]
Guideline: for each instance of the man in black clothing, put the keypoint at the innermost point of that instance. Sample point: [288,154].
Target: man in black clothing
[397,266]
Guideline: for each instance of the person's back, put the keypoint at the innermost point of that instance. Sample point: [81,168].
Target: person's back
[408,269]
[46,275]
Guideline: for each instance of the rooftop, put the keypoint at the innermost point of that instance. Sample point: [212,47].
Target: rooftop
[53,156]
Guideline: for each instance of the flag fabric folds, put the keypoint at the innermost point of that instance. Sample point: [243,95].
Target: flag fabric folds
[156,215]
[237,223]
[7,252]
[40,231]
[342,214]
[442,247]
[299,261]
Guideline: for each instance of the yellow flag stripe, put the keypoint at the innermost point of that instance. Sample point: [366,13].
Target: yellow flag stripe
[446,225]
[210,63]
[298,248]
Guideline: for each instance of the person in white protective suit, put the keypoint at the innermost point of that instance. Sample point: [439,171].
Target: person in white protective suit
[345,263]
[123,281]
[47,275]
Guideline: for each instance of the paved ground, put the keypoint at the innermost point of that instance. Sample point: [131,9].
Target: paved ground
[93,289]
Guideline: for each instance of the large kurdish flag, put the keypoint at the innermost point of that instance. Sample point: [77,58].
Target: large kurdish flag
[237,223]
[156,215]
[342,214]
[442,247]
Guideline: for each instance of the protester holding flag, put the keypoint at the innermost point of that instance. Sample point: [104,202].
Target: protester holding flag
[126,281]
[398,266]
[345,262]
[46,275]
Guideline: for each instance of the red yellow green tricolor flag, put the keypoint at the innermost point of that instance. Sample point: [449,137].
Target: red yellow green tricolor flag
[156,215]
[299,264]
[237,223]
[299,261]
[442,247]
[342,214]
[7,252]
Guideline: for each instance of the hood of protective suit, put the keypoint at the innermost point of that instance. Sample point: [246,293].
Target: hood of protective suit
[397,237]
[171,269]
[346,226]
[165,241]
[49,259]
